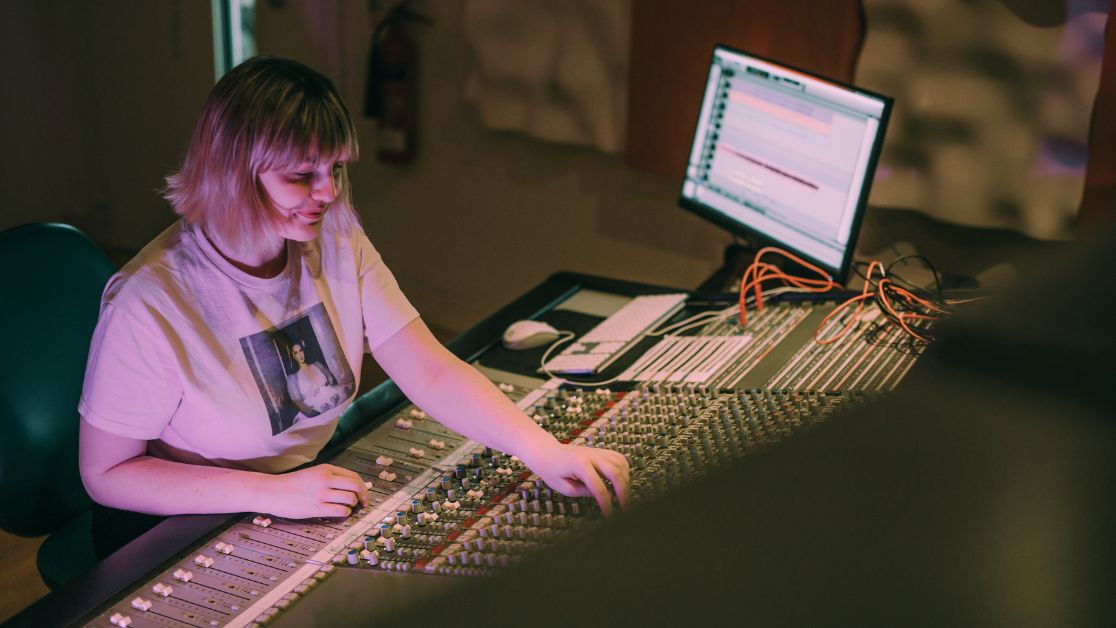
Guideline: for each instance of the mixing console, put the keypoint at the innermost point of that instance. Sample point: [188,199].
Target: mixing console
[441,504]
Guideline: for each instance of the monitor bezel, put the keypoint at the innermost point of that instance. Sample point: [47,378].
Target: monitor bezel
[840,273]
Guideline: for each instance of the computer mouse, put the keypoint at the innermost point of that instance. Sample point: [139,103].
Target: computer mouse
[528,335]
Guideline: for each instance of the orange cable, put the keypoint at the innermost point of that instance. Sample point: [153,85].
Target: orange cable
[763,271]
[886,301]
[864,294]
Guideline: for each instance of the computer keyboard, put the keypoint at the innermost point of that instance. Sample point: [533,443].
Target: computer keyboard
[600,346]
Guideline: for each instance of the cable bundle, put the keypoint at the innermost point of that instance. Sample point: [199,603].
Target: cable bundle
[898,301]
[759,271]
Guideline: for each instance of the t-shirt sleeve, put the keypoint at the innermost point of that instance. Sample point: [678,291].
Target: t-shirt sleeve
[132,387]
[386,309]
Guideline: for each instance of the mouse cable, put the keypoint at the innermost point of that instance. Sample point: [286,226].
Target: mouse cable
[565,336]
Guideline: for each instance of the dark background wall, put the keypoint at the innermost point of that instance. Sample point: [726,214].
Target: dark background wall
[100,98]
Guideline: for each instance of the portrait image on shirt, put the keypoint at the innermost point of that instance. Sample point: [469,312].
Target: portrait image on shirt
[299,368]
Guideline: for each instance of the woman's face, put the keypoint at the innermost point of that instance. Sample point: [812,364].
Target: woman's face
[302,195]
[299,356]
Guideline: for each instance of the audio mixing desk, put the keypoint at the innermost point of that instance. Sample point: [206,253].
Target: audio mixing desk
[444,508]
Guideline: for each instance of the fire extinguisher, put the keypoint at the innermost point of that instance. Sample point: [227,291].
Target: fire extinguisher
[391,96]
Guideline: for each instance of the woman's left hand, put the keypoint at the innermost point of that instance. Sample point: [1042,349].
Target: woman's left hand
[580,472]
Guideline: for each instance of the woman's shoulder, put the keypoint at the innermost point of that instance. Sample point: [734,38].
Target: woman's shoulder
[155,271]
[344,237]
[348,245]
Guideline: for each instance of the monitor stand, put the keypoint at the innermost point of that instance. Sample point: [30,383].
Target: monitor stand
[737,257]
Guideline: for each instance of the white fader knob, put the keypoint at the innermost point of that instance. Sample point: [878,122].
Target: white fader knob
[119,619]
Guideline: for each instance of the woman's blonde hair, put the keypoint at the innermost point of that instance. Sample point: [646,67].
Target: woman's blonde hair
[266,113]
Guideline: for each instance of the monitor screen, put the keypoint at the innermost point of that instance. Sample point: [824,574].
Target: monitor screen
[784,157]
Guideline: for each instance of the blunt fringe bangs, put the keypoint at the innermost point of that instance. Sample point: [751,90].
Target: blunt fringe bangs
[266,113]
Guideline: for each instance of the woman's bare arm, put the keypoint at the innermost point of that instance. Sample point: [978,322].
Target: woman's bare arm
[457,395]
[117,472]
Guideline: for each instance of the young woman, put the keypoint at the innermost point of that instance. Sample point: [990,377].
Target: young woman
[186,407]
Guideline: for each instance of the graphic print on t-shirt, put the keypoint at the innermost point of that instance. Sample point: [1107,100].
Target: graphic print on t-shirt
[299,368]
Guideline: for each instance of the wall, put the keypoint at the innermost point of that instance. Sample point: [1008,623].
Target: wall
[112,89]
[793,32]
[99,100]
[43,148]
[993,105]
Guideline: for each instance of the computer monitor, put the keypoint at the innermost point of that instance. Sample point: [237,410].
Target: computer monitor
[785,157]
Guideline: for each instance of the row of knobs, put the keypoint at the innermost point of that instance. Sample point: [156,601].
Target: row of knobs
[729,429]
[670,435]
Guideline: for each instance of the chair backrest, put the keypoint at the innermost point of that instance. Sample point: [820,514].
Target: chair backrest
[51,279]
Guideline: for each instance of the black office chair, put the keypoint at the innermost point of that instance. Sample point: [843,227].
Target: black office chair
[51,276]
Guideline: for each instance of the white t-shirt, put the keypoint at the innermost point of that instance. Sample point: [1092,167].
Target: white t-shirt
[214,366]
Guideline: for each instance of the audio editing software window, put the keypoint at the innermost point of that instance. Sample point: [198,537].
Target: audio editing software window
[783,154]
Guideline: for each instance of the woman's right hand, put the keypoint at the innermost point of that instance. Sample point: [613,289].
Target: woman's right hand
[324,490]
